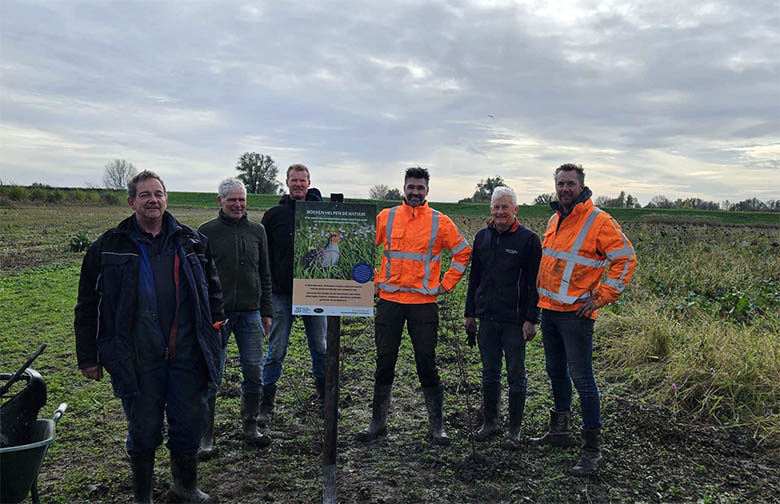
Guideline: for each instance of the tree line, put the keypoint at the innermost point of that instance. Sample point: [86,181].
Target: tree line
[259,173]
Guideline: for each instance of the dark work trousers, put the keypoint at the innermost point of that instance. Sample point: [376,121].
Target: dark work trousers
[498,339]
[422,323]
[176,388]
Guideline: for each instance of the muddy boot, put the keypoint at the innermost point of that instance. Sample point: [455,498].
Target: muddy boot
[514,439]
[208,445]
[380,407]
[491,398]
[434,401]
[560,431]
[267,405]
[319,384]
[143,477]
[185,479]
[249,408]
[591,455]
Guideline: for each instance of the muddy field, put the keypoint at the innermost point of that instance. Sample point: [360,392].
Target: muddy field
[652,453]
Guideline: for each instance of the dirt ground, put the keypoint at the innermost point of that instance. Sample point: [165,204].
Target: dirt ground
[649,454]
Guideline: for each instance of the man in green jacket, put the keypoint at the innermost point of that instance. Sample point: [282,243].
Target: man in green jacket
[240,250]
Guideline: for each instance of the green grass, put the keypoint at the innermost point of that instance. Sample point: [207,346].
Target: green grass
[11,195]
[182,199]
[702,309]
[699,330]
[674,216]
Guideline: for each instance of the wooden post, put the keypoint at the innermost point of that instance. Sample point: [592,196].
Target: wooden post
[331,411]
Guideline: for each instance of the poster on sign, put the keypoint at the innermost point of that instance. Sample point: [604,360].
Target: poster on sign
[333,268]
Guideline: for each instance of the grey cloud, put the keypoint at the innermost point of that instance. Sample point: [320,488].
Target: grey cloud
[372,86]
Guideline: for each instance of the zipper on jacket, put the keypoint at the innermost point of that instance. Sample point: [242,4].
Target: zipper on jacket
[519,297]
[235,283]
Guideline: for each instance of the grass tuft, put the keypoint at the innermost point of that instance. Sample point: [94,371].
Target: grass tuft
[724,372]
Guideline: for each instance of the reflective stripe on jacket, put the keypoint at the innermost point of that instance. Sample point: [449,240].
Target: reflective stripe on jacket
[575,252]
[108,302]
[413,239]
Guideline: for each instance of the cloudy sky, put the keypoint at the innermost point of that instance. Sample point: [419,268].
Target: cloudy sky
[651,97]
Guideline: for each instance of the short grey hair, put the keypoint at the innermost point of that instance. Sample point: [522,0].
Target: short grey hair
[229,184]
[500,192]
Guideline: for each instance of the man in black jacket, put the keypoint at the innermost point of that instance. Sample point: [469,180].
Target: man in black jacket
[240,251]
[279,223]
[502,294]
[149,311]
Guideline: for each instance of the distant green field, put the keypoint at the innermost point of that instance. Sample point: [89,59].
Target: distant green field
[676,216]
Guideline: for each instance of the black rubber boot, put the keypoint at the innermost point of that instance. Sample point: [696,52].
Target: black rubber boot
[319,385]
[267,405]
[491,398]
[434,402]
[591,453]
[143,477]
[560,431]
[185,479]
[514,439]
[381,405]
[249,408]
[208,442]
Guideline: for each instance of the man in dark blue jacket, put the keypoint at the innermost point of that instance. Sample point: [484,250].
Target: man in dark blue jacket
[279,223]
[149,309]
[502,295]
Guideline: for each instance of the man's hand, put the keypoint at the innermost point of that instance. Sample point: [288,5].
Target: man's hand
[93,372]
[471,331]
[267,324]
[441,290]
[587,307]
[529,330]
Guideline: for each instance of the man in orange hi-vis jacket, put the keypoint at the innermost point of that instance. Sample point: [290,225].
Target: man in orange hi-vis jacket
[579,243]
[413,236]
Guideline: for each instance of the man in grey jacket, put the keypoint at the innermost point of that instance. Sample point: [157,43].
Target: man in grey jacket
[240,250]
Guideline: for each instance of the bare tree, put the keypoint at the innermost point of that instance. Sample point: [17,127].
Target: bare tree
[394,194]
[544,199]
[659,201]
[118,173]
[378,191]
[383,192]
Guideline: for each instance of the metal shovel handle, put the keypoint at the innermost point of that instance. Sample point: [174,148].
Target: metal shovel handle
[15,377]
[60,411]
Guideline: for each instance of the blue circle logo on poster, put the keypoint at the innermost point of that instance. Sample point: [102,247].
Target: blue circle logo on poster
[362,272]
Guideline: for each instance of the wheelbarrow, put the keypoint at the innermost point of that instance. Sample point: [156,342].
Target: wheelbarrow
[19,410]
[24,439]
[22,463]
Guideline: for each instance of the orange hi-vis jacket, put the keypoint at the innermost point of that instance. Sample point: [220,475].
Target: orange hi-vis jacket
[575,253]
[413,239]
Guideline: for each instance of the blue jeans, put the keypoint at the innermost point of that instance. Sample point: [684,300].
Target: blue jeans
[568,350]
[316,335]
[248,330]
[497,338]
